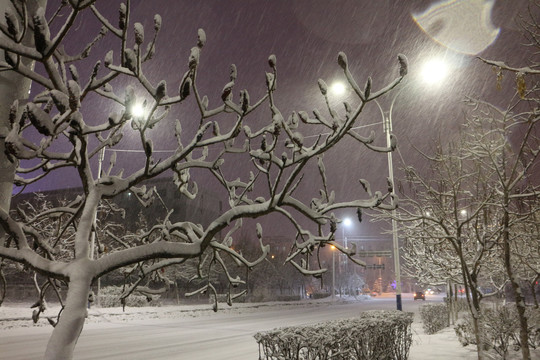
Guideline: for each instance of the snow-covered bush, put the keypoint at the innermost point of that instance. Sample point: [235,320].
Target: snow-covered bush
[500,329]
[318,295]
[110,297]
[465,331]
[373,335]
[434,317]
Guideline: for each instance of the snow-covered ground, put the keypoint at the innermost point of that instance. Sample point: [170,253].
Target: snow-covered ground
[16,319]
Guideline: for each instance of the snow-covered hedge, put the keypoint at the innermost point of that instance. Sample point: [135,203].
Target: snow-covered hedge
[500,329]
[288,298]
[434,317]
[110,297]
[372,335]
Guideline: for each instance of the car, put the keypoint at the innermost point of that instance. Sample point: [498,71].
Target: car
[419,295]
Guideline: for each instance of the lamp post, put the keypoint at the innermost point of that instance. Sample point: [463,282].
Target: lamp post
[346,223]
[333,273]
[387,123]
[101,156]
[433,72]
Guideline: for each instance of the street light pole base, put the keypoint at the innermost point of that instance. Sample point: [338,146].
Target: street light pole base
[398,302]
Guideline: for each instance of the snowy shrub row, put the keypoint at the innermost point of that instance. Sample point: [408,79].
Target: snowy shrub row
[288,298]
[434,317]
[110,297]
[500,329]
[320,295]
[373,335]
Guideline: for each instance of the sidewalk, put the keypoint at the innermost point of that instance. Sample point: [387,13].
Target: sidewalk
[442,345]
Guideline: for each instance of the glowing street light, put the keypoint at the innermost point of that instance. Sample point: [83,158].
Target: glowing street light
[346,223]
[333,272]
[338,88]
[434,71]
[137,110]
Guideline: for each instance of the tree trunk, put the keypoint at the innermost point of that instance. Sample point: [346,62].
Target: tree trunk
[533,291]
[474,306]
[452,309]
[518,297]
[473,302]
[520,302]
[12,87]
[66,333]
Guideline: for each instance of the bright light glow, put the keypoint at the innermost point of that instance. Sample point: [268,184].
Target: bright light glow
[332,247]
[434,71]
[137,110]
[338,88]
[463,212]
[347,222]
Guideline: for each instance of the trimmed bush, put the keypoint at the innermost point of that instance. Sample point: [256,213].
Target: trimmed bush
[434,317]
[110,297]
[373,335]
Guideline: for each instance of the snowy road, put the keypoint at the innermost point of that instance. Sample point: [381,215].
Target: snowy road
[219,336]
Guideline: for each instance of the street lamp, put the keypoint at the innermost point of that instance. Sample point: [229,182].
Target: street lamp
[338,88]
[387,123]
[137,110]
[101,156]
[433,71]
[333,272]
[346,223]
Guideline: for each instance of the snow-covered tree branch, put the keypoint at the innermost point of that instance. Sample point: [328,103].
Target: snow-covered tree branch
[259,165]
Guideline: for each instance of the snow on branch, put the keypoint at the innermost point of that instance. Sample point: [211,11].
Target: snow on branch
[256,168]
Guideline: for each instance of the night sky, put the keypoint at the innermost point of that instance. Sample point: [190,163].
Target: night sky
[306,36]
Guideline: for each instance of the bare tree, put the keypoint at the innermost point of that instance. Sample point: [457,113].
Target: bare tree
[56,129]
[440,215]
[478,206]
[485,200]
[508,142]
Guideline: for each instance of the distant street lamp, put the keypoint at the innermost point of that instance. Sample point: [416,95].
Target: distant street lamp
[101,156]
[333,272]
[346,223]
